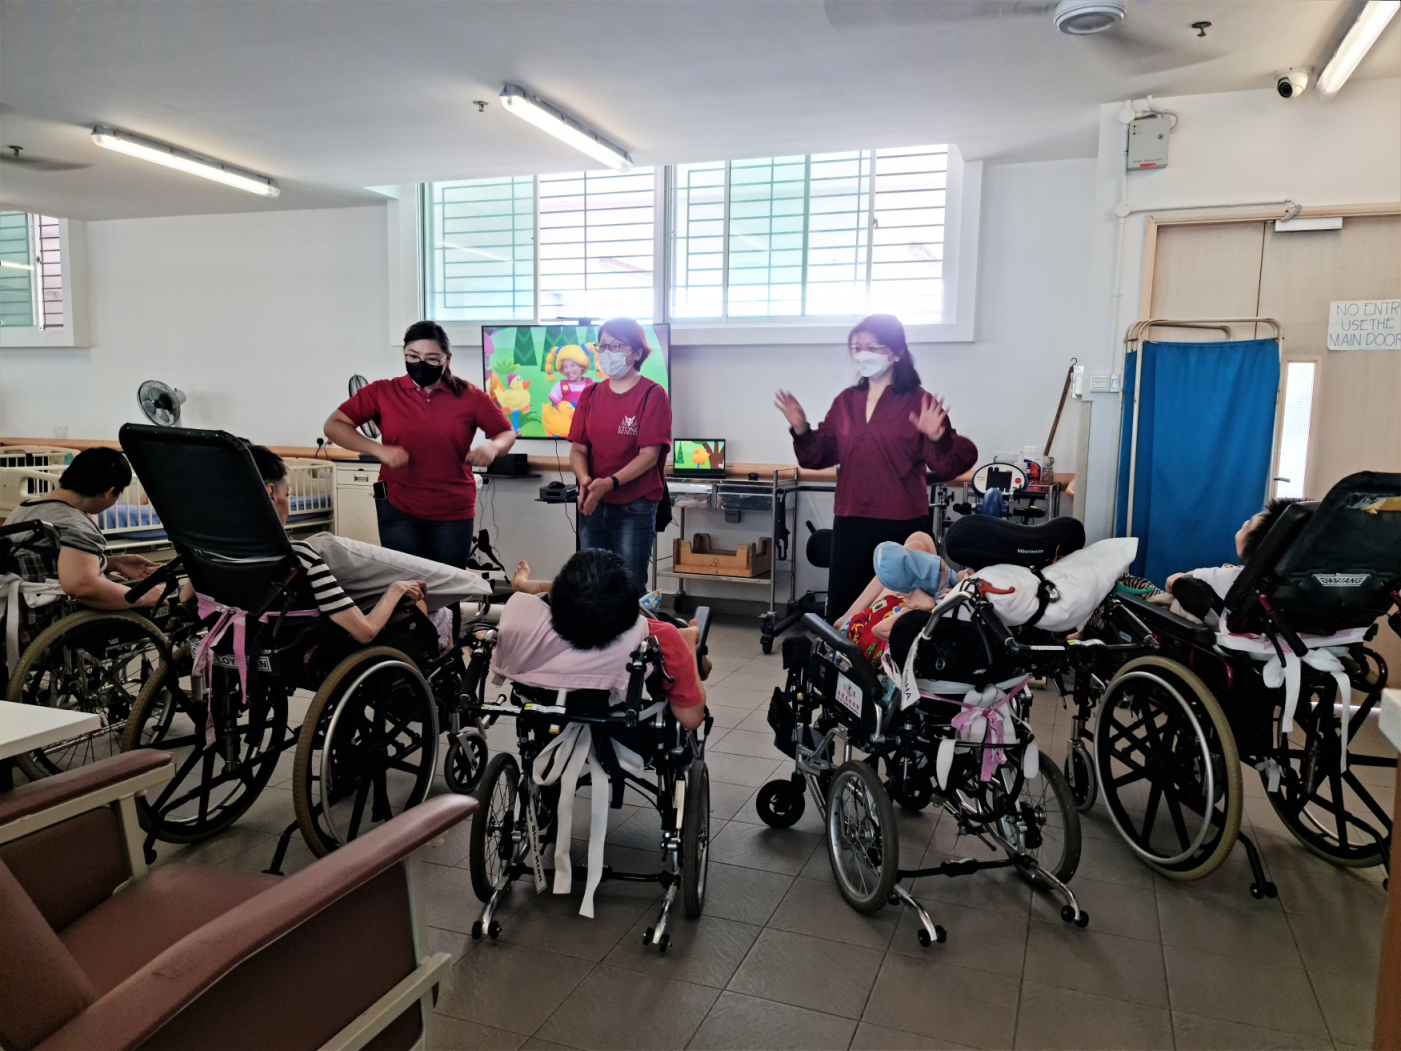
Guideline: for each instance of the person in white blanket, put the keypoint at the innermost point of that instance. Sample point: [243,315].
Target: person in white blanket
[1199,594]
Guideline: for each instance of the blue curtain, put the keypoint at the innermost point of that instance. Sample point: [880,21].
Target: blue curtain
[1206,419]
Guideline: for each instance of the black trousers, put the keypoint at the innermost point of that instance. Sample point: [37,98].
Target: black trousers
[854,542]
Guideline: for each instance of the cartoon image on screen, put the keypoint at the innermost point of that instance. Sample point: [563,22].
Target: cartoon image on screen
[698,455]
[536,374]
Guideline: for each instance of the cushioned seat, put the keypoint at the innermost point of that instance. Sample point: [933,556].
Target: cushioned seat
[976,541]
[133,927]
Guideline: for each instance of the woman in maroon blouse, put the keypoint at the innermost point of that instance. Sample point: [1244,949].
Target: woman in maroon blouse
[884,432]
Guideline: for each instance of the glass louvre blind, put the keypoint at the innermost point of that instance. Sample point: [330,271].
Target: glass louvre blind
[837,234]
[1294,434]
[480,251]
[698,240]
[51,271]
[16,271]
[907,234]
[597,237]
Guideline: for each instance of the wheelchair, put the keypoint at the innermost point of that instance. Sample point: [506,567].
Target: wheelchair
[367,746]
[521,800]
[951,706]
[1271,688]
[60,654]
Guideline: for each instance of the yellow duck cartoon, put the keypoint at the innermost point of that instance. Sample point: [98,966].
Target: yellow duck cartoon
[513,397]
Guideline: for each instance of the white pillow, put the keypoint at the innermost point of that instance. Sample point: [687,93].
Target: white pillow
[1083,578]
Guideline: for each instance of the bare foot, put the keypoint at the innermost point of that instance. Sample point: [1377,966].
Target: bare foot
[521,577]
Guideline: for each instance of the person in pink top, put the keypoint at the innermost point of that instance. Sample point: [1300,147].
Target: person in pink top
[884,431]
[429,419]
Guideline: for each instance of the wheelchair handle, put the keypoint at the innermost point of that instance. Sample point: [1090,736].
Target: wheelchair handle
[32,526]
[164,576]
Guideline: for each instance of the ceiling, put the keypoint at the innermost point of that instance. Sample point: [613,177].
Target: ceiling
[329,98]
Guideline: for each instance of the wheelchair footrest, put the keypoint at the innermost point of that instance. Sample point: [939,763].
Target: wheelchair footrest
[966,867]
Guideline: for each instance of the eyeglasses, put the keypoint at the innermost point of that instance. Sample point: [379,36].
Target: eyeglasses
[615,347]
[427,361]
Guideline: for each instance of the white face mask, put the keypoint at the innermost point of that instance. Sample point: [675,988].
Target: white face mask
[870,364]
[615,363]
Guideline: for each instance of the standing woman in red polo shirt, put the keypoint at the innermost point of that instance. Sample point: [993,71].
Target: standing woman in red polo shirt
[620,431]
[883,431]
[428,419]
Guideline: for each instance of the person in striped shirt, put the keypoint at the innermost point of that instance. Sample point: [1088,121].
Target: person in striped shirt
[331,598]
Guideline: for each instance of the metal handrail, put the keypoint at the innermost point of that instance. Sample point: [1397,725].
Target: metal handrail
[1134,338]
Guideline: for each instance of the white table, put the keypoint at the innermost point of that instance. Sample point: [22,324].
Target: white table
[25,727]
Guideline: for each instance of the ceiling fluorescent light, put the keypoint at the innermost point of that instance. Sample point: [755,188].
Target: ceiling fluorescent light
[183,160]
[552,119]
[1356,44]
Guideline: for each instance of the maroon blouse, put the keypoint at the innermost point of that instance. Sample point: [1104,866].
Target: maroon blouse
[882,462]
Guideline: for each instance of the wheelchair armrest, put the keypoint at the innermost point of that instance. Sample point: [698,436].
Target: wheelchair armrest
[1161,619]
[861,669]
[702,619]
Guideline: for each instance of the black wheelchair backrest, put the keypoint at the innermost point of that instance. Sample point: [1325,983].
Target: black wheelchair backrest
[975,541]
[214,507]
[1326,566]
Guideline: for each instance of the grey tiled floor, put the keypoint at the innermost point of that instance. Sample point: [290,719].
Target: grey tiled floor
[780,961]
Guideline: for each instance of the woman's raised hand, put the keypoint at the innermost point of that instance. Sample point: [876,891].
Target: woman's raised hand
[393,456]
[933,418]
[792,411]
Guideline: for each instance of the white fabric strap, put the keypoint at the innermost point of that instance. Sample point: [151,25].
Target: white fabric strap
[36,593]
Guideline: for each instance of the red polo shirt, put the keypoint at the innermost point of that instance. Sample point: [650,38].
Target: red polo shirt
[616,426]
[883,461]
[437,431]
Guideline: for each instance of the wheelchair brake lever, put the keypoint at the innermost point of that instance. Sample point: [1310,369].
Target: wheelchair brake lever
[165,575]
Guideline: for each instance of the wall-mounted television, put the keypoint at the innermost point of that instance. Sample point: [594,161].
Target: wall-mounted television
[536,373]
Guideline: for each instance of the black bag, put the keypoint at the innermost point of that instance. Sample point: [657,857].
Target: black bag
[664,515]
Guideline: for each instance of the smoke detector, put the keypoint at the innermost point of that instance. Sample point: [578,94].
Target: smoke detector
[1083,17]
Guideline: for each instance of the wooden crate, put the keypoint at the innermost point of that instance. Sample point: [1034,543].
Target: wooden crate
[698,556]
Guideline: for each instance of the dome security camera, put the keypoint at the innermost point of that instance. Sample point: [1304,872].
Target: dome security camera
[1290,83]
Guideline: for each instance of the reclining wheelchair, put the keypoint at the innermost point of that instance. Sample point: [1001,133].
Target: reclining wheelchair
[1271,688]
[952,705]
[526,805]
[367,747]
[60,654]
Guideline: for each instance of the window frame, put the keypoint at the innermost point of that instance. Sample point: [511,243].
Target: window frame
[961,242]
[72,250]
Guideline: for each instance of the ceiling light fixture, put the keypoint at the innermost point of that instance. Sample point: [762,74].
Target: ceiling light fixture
[1083,17]
[550,118]
[1359,40]
[183,160]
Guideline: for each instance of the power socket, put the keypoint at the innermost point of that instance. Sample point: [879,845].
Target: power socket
[60,431]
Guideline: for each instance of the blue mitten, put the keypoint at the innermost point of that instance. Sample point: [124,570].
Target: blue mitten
[900,569]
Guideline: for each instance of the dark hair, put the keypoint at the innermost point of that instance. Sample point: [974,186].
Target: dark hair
[593,599]
[94,471]
[626,330]
[272,467]
[434,331]
[887,329]
[1271,514]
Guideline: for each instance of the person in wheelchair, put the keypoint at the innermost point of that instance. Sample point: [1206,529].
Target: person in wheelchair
[586,622]
[85,572]
[345,574]
[1200,594]
[908,577]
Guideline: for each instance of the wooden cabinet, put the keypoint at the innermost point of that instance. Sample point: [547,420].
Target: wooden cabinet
[355,502]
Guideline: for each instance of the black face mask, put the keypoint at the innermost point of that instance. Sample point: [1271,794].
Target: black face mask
[424,374]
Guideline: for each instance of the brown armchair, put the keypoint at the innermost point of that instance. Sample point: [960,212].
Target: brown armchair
[97,953]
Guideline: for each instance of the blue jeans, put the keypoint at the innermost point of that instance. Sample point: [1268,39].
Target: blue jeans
[447,542]
[628,529]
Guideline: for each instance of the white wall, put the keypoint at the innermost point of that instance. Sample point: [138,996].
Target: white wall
[259,317]
[1230,149]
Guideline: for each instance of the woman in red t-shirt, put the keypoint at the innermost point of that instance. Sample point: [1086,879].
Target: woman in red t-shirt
[884,431]
[429,419]
[619,432]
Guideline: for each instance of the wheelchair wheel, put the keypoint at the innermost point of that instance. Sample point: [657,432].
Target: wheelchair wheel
[1080,777]
[1323,807]
[94,662]
[862,843]
[1166,761]
[781,804]
[493,848]
[695,837]
[463,765]
[214,783]
[367,748]
[1047,826]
